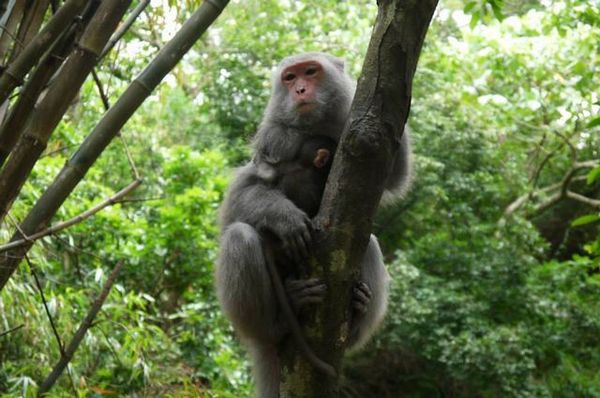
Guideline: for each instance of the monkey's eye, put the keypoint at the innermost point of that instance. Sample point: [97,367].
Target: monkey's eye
[289,77]
[311,71]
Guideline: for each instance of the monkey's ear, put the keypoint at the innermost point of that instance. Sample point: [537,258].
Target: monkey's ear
[322,158]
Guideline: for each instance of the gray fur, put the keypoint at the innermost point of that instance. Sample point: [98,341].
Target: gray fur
[253,205]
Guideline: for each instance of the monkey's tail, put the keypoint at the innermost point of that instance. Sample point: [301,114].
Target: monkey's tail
[265,366]
[290,316]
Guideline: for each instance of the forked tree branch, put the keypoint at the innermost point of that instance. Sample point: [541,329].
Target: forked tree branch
[557,192]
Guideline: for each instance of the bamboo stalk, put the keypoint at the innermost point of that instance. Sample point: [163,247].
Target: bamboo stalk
[80,333]
[108,127]
[12,128]
[52,107]
[30,25]
[16,71]
[9,29]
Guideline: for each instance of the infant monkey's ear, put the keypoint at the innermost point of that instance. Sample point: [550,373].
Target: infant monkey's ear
[322,158]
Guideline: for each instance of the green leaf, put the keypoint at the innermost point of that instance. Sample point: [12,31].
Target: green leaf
[469,6]
[475,17]
[594,122]
[587,219]
[593,175]
[497,9]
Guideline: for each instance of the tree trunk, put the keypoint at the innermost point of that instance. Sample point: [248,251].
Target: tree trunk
[356,183]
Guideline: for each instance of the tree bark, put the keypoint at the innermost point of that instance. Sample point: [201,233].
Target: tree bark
[356,183]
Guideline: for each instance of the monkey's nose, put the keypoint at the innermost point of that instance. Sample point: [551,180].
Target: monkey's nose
[300,90]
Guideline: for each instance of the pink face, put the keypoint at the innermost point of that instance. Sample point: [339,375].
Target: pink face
[302,80]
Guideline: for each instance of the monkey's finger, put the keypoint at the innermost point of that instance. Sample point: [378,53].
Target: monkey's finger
[318,290]
[294,285]
[307,237]
[295,250]
[360,296]
[304,301]
[365,289]
[302,246]
[359,307]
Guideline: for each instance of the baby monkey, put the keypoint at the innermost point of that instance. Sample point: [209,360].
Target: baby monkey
[302,179]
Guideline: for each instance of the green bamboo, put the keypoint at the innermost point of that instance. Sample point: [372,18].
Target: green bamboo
[108,127]
[52,107]
[16,71]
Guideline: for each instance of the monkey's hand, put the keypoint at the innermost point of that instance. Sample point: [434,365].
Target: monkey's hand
[295,232]
[303,292]
[361,297]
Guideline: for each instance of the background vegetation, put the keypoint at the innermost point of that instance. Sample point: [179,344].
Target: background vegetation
[495,253]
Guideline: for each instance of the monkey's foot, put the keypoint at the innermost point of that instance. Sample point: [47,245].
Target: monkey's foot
[361,297]
[303,292]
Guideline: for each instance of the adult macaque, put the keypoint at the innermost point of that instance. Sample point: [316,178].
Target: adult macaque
[311,96]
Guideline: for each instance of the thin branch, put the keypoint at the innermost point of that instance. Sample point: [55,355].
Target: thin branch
[16,225]
[567,141]
[575,168]
[134,169]
[124,27]
[135,200]
[57,150]
[563,185]
[538,171]
[80,333]
[103,95]
[75,220]
[61,348]
[583,199]
[12,330]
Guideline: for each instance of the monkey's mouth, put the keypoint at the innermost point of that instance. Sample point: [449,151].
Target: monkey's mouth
[304,107]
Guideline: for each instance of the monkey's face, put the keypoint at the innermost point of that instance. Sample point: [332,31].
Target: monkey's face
[309,89]
[302,81]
